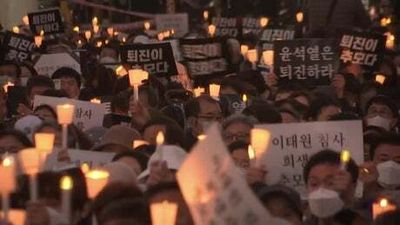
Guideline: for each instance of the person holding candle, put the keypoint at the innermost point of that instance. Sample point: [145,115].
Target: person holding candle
[331,189]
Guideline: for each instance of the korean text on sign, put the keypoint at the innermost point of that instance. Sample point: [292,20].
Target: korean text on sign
[49,21]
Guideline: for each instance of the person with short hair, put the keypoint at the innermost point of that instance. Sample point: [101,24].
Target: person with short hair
[70,81]
[381,111]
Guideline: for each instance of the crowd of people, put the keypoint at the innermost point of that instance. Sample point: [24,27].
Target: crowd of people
[138,179]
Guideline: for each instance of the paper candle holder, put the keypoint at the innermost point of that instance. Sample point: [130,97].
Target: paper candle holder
[214,90]
[44,142]
[147,25]
[38,40]
[96,180]
[65,113]
[30,160]
[16,216]
[212,29]
[379,78]
[260,140]
[299,17]
[382,207]
[7,173]
[244,49]
[268,57]
[25,20]
[198,91]
[163,213]
[252,55]
[264,21]
[110,31]
[137,76]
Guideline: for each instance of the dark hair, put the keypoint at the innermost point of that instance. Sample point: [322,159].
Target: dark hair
[39,81]
[329,156]
[105,78]
[31,69]
[11,63]
[317,105]
[192,107]
[389,138]
[173,132]
[161,187]
[46,107]
[21,137]
[126,211]
[55,93]
[344,116]
[67,72]
[388,218]
[120,101]
[383,100]
[237,145]
[141,158]
[263,112]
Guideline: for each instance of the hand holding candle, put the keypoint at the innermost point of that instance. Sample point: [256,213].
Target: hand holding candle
[163,213]
[136,77]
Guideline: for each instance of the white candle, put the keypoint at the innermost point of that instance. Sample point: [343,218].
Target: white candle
[7,175]
[30,160]
[136,77]
[160,141]
[65,115]
[163,213]
[66,185]
[96,180]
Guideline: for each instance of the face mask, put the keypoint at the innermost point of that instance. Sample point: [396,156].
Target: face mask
[378,121]
[324,203]
[108,60]
[389,173]
[205,125]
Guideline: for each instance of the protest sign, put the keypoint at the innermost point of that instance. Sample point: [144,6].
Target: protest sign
[310,61]
[157,59]
[87,114]
[292,145]
[205,58]
[362,48]
[269,35]
[251,26]
[16,47]
[49,21]
[225,26]
[219,194]
[177,22]
[79,157]
[47,64]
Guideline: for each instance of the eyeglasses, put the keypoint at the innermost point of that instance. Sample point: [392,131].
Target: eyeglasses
[210,117]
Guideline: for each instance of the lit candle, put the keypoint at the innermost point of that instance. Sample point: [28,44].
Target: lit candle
[381,207]
[95,21]
[123,39]
[25,20]
[147,25]
[264,21]
[85,168]
[163,213]
[344,159]
[120,71]
[7,85]
[385,21]
[96,29]
[259,139]
[244,49]
[137,143]
[15,29]
[99,44]
[268,57]
[65,115]
[211,30]
[380,78]
[252,156]
[66,185]
[390,41]
[96,180]
[206,15]
[244,99]
[30,160]
[198,91]
[299,17]
[201,137]
[44,143]
[160,141]
[17,217]
[110,31]
[160,36]
[76,29]
[136,77]
[252,56]
[88,35]
[95,101]
[79,43]
[7,174]
[214,90]
[38,40]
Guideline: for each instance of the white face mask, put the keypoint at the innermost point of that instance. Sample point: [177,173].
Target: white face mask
[389,173]
[108,60]
[324,203]
[378,121]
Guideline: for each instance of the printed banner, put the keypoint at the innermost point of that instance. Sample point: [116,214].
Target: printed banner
[269,35]
[47,64]
[177,22]
[157,59]
[16,47]
[50,21]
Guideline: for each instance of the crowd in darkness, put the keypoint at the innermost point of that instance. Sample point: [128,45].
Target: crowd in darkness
[138,178]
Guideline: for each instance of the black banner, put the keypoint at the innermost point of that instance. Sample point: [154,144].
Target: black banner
[204,58]
[269,35]
[49,21]
[311,61]
[16,47]
[157,59]
[236,27]
[362,48]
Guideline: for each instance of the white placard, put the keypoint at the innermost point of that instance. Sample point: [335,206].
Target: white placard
[214,189]
[177,22]
[47,64]
[87,114]
[292,145]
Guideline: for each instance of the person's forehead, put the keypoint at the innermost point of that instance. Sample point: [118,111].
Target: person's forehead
[209,107]
[323,170]
[238,124]
[379,106]
[389,149]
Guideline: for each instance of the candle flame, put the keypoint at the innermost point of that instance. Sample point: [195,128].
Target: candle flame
[251,152]
[7,162]
[201,137]
[383,203]
[206,15]
[264,21]
[15,29]
[95,21]
[244,98]
[95,101]
[160,138]
[211,29]
[379,78]
[66,183]
[345,156]
[88,35]
[76,29]
[110,31]
[97,174]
